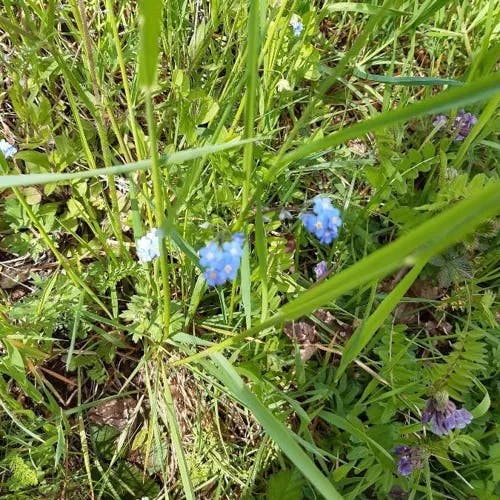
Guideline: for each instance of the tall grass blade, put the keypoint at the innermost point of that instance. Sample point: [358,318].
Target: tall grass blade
[282,436]
[9,181]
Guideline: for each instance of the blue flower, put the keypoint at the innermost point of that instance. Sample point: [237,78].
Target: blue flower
[296,25]
[221,263]
[8,150]
[148,247]
[324,221]
[443,415]
[210,255]
[410,458]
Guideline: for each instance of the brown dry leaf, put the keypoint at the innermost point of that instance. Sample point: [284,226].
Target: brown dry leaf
[10,277]
[438,328]
[425,289]
[343,331]
[305,335]
[115,412]
[358,147]
[290,243]
[326,317]
[409,312]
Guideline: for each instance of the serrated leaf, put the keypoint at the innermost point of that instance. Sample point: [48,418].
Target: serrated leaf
[285,485]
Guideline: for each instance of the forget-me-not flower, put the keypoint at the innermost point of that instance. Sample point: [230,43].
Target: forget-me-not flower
[220,263]
[324,221]
[443,415]
[148,247]
[296,25]
[8,150]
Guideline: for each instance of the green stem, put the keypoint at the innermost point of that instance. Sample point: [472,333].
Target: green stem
[123,70]
[159,201]
[101,131]
[250,98]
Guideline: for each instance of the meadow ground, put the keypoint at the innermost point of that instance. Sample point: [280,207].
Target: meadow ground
[249,249]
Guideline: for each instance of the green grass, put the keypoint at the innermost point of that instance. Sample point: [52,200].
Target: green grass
[126,380]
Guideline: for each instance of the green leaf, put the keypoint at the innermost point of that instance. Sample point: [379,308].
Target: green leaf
[285,485]
[150,20]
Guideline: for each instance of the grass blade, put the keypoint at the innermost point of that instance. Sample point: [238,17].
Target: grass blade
[406,80]
[150,19]
[282,436]
[9,181]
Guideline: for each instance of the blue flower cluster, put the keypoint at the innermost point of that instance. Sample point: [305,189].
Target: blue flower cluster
[443,416]
[324,221]
[220,263]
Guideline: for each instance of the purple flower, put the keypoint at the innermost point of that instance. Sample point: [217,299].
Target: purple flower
[460,127]
[220,263]
[443,416]
[463,124]
[321,269]
[440,121]
[324,221]
[410,458]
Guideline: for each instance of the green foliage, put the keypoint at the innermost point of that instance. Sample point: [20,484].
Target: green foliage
[285,485]
[467,359]
[22,474]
